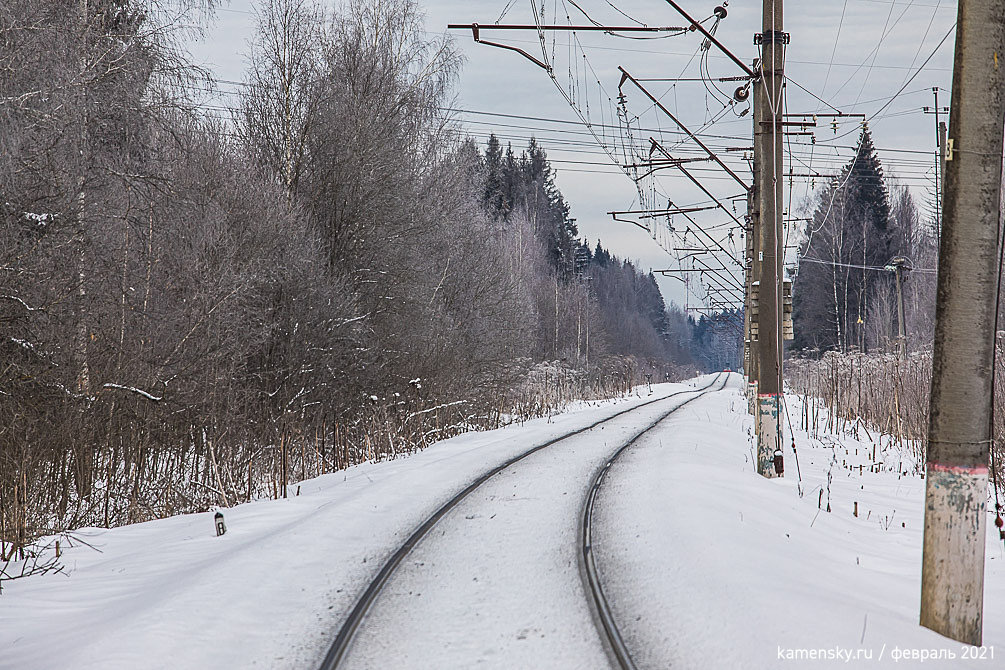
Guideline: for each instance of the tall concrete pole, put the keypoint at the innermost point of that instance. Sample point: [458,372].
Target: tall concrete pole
[940,138]
[768,137]
[943,132]
[753,265]
[952,573]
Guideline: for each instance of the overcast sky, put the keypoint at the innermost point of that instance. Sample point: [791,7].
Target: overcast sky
[849,55]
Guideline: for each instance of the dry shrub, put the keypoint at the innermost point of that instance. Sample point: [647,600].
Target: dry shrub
[880,392]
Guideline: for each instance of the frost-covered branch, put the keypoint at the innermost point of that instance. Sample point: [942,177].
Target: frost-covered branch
[133,389]
[433,409]
[26,306]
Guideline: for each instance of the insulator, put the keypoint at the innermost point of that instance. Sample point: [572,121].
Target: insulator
[720,12]
[741,93]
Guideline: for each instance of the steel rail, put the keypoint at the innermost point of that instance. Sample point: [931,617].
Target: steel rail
[591,575]
[337,651]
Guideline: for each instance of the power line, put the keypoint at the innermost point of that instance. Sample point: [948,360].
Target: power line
[918,71]
[877,268]
[830,64]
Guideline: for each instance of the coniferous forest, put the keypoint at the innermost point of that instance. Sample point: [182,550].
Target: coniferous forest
[197,312]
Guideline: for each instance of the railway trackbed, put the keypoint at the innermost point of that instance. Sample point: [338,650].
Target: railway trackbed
[607,625]
[611,639]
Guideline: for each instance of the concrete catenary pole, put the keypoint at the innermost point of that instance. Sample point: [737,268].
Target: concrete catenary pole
[768,138]
[952,573]
[753,266]
[940,138]
[943,133]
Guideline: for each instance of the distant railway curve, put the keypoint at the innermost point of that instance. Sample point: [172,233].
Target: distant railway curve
[607,629]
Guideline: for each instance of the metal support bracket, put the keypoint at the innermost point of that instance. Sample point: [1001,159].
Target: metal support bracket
[475,34]
[776,36]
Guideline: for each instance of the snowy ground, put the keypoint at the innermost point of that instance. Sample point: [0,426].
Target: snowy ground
[706,564]
[718,568]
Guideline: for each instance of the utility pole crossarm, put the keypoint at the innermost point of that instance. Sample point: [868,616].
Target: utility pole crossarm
[476,27]
[714,241]
[717,273]
[711,38]
[655,213]
[670,271]
[697,183]
[627,77]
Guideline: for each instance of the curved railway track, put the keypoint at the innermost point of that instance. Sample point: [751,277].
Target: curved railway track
[608,630]
[591,576]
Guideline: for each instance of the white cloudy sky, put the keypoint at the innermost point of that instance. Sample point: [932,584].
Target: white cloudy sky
[852,55]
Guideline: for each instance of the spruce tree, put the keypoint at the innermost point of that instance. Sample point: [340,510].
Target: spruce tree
[846,245]
[510,181]
[493,197]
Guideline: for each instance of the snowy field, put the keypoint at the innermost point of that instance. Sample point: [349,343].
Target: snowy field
[706,564]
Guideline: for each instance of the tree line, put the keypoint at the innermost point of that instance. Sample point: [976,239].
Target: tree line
[197,312]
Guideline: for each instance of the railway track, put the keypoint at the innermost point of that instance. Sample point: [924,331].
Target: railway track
[608,630]
[591,575]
